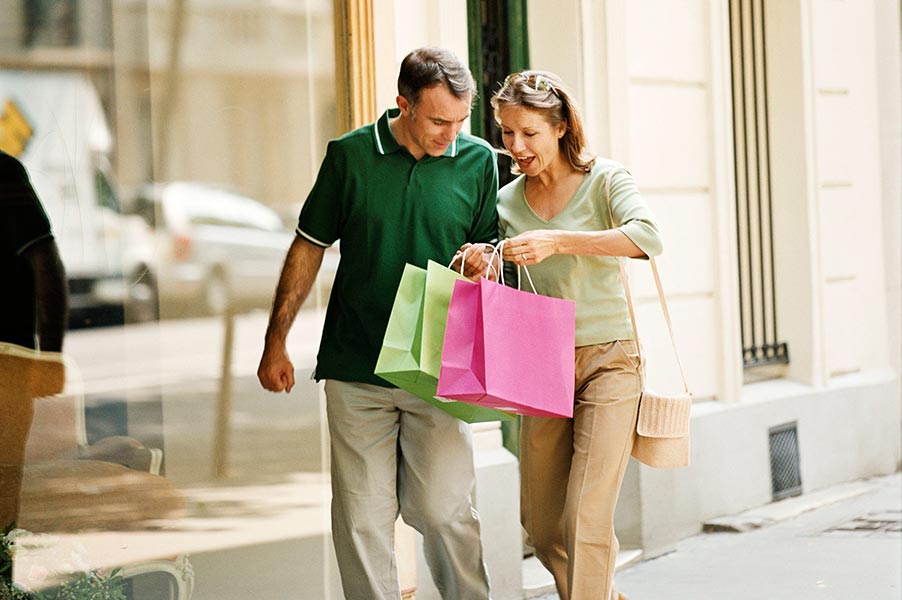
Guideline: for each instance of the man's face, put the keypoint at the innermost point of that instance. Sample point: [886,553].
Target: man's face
[435,121]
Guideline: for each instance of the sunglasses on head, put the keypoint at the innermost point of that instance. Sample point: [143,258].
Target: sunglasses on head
[539,83]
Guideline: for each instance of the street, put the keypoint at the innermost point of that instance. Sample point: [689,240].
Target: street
[849,549]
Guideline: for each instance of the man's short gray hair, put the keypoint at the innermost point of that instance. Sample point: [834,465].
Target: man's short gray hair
[427,67]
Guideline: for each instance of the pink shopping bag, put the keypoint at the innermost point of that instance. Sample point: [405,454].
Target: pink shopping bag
[509,349]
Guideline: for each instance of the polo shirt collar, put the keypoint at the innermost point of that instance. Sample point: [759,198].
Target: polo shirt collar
[385,140]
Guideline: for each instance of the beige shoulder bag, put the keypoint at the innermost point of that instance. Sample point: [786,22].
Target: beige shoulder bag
[662,431]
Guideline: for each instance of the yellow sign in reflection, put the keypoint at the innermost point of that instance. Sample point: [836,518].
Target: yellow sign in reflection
[15,131]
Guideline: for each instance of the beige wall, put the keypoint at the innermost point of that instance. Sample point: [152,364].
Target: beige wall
[669,150]
[848,205]
[403,26]
[887,18]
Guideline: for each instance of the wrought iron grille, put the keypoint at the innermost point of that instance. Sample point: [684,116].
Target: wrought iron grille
[761,344]
[496,64]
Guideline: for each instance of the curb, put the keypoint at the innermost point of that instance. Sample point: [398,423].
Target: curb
[776,512]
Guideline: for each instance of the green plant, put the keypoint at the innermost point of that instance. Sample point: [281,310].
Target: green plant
[92,585]
[6,563]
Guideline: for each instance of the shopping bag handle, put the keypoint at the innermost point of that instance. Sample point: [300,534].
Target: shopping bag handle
[499,250]
[629,297]
[463,259]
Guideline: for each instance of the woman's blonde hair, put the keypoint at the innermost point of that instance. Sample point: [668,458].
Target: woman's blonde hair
[545,93]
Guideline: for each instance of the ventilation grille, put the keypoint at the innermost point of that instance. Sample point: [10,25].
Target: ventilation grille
[785,476]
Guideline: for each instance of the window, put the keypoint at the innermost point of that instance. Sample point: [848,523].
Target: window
[201,485]
[51,22]
[761,344]
[105,191]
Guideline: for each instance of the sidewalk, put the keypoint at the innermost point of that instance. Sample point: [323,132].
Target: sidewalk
[843,543]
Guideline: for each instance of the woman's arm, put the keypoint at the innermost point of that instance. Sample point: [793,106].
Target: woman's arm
[533,247]
[633,232]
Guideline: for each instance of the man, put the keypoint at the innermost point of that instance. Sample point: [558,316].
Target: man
[33,311]
[408,188]
[30,266]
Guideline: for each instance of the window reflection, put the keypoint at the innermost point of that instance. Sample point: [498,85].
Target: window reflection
[50,23]
[172,144]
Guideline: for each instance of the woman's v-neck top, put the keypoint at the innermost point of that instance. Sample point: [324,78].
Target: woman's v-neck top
[592,282]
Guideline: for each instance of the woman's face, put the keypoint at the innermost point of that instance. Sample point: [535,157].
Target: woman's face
[530,138]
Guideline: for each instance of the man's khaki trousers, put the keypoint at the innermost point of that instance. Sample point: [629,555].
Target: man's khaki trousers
[572,469]
[391,453]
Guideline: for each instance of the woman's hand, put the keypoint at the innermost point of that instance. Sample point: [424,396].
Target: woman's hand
[476,261]
[531,247]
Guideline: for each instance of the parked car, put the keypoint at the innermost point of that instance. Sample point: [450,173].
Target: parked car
[213,249]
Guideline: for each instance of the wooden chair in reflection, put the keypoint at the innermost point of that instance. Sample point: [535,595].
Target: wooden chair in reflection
[66,485]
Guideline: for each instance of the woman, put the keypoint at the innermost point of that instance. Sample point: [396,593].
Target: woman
[557,219]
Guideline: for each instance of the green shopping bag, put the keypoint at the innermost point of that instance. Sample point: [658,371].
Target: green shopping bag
[411,354]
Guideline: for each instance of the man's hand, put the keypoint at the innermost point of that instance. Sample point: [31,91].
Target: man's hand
[276,373]
[476,259]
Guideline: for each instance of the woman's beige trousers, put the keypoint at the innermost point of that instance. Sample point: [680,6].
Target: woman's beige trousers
[572,470]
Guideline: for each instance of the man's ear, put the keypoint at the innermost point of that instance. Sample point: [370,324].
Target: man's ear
[404,105]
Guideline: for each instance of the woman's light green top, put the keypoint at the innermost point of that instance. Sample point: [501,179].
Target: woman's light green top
[593,282]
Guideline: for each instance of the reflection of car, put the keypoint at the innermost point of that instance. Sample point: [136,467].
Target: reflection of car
[212,247]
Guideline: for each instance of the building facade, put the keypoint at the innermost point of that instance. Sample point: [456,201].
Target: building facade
[765,135]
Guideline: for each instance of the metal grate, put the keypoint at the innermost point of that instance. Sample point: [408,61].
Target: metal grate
[785,475]
[496,64]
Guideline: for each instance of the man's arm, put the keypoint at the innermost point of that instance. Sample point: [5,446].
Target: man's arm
[276,372]
[50,293]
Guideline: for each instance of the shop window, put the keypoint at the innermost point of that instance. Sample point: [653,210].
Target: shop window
[204,475]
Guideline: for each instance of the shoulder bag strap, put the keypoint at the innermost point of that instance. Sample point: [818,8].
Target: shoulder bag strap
[629,297]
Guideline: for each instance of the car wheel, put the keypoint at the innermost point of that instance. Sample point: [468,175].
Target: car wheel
[143,298]
[216,294]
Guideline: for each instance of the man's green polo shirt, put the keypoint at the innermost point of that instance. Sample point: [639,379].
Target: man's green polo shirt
[389,209]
